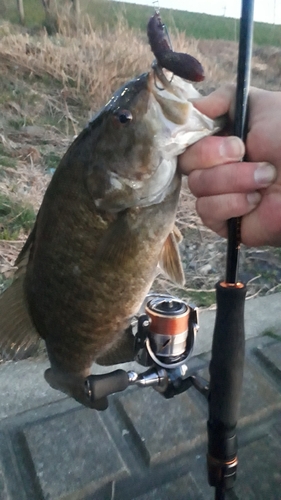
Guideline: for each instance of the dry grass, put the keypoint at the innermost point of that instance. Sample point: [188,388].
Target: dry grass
[58,82]
[94,63]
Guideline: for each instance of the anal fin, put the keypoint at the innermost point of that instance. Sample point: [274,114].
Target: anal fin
[18,336]
[170,260]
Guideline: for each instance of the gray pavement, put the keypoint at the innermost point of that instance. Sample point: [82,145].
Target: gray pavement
[142,447]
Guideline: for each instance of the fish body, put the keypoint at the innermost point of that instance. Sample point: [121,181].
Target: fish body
[106,222]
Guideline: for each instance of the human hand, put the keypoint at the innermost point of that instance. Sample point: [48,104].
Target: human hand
[226,187]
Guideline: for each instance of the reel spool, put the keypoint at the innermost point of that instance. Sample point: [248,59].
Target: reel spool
[172,329]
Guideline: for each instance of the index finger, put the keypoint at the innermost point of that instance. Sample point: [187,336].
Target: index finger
[210,152]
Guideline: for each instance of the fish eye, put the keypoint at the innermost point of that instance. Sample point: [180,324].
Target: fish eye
[124,115]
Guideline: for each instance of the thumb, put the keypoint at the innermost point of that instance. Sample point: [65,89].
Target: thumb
[218,103]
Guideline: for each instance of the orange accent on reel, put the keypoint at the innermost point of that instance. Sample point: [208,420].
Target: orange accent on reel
[168,325]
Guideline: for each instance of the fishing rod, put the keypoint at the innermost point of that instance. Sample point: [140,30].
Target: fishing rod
[227,361]
[165,331]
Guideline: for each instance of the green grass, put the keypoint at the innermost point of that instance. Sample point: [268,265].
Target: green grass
[6,161]
[51,160]
[202,299]
[3,151]
[7,89]
[106,12]
[33,10]
[18,123]
[272,334]
[199,26]
[14,217]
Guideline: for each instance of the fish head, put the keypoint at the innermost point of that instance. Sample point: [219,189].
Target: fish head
[142,129]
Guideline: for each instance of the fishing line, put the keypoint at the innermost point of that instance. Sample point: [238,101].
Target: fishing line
[156,5]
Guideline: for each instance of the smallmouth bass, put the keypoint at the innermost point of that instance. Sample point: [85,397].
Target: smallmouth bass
[105,224]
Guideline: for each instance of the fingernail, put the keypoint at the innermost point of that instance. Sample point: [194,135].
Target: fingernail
[232,148]
[253,198]
[264,174]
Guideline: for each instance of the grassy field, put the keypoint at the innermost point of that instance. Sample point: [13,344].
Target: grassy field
[107,12]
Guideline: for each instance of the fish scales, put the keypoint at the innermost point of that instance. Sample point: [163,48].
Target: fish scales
[83,292]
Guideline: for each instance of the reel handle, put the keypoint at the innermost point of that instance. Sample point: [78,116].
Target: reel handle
[100,386]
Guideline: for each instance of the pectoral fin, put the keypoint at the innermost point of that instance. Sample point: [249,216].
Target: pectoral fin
[170,260]
[177,234]
[118,242]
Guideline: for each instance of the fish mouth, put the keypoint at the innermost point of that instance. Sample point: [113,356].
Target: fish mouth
[179,123]
[171,95]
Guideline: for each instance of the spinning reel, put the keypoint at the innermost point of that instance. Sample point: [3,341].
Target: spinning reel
[164,339]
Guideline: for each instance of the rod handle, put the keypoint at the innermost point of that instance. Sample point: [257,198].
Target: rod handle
[228,350]
[226,375]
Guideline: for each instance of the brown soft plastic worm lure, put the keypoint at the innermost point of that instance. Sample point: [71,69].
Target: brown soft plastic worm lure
[182,65]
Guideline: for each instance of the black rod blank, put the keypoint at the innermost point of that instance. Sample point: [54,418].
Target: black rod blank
[240,123]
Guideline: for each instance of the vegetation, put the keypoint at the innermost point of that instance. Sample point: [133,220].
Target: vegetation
[52,81]
[14,217]
[107,13]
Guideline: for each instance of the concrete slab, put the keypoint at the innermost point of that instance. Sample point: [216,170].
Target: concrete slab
[143,447]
